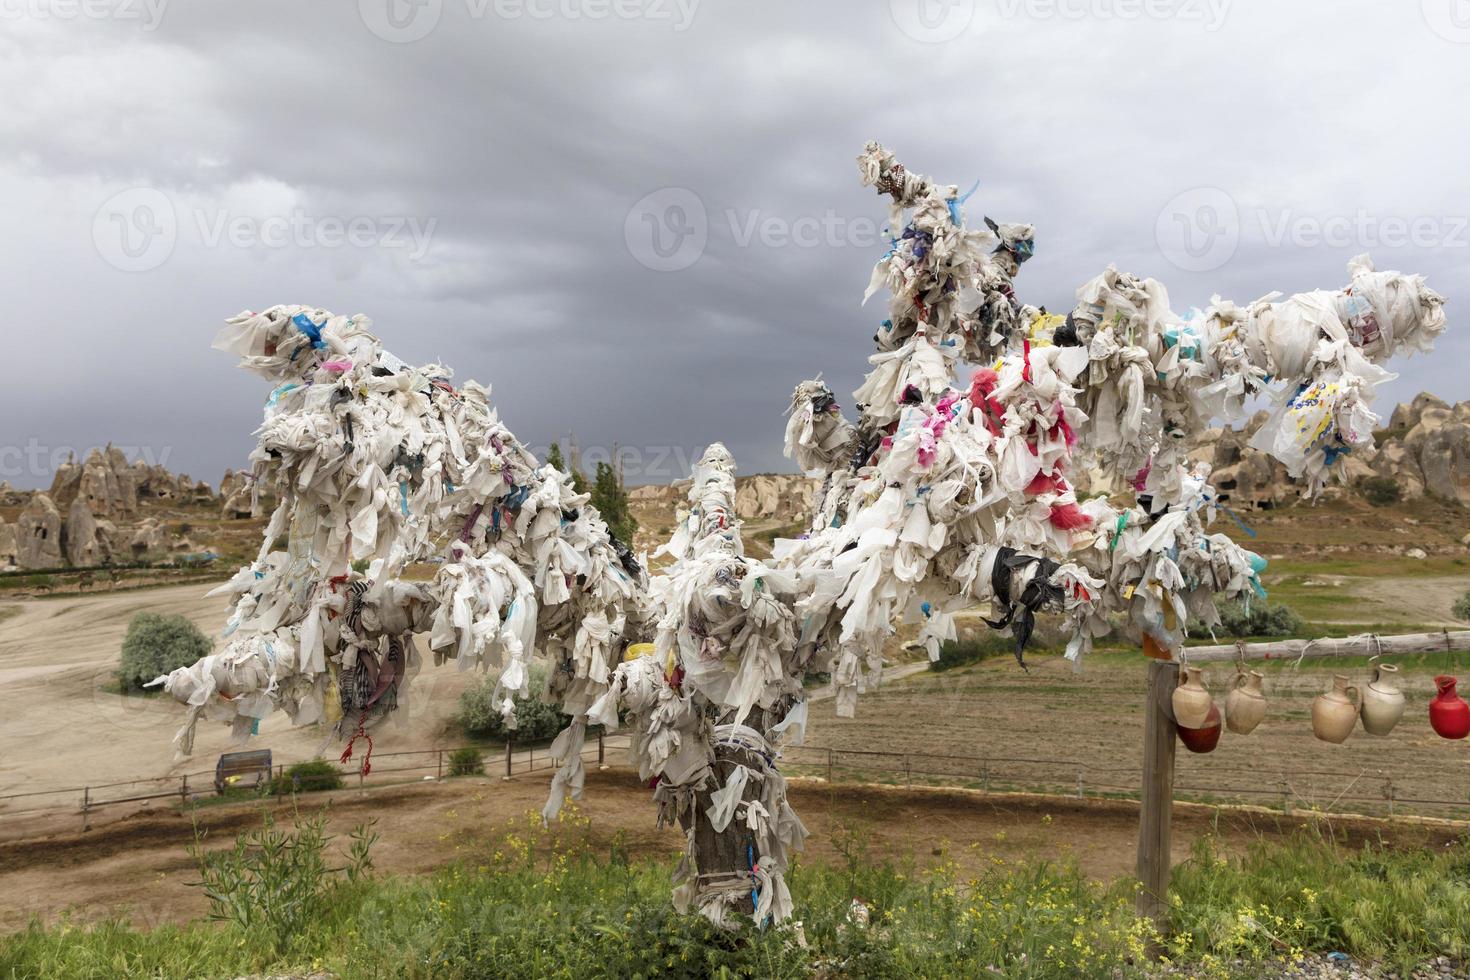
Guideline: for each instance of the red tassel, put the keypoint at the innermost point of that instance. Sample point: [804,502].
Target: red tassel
[982,383]
[1041,483]
[1069,517]
[367,760]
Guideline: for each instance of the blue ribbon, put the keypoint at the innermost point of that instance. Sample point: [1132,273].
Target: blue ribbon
[955,202]
[1238,520]
[311,330]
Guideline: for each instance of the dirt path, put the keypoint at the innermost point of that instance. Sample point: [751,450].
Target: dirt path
[61,728]
[1421,600]
[140,866]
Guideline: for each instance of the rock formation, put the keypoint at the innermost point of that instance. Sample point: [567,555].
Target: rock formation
[785,497]
[149,541]
[89,541]
[1424,449]
[38,535]
[9,549]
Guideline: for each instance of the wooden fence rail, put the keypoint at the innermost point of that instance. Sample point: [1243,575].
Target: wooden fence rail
[1160,731]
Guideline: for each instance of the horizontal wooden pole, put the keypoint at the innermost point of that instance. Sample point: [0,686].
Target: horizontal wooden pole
[1363,645]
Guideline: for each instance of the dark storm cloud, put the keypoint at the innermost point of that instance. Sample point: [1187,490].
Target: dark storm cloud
[500,170]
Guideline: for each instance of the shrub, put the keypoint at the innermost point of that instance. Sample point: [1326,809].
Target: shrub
[315,776]
[276,882]
[479,712]
[467,762]
[961,653]
[1380,491]
[992,644]
[1255,619]
[156,645]
[1462,607]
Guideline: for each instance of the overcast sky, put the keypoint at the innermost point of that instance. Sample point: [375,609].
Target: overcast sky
[641,219]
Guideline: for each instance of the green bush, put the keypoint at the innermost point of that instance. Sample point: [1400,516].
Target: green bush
[962,653]
[156,645]
[467,762]
[274,883]
[1380,491]
[1242,620]
[1462,607]
[315,776]
[536,721]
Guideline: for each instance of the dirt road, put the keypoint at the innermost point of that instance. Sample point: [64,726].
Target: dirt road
[61,728]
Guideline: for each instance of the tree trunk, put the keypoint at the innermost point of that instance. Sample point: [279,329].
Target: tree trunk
[734,850]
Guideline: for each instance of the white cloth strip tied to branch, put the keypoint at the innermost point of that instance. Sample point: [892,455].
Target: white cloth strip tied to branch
[977,485]
[379,466]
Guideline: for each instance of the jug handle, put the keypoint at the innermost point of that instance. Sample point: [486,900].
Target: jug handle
[1357,696]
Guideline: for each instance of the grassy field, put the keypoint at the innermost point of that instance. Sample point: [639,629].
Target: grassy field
[549,902]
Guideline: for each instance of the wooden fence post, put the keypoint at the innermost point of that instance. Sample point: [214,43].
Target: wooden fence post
[1157,806]
[86,807]
[601,750]
[184,791]
[441,765]
[507,760]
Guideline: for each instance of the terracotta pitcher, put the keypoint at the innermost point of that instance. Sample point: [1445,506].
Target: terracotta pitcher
[1206,737]
[1245,705]
[1383,702]
[1334,714]
[1192,701]
[1448,712]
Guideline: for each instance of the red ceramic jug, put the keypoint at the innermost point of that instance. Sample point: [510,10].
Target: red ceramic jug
[1448,712]
[1205,738]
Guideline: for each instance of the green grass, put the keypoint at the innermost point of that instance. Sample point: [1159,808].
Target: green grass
[547,902]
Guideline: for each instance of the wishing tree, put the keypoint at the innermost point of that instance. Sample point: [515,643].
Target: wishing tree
[944,494]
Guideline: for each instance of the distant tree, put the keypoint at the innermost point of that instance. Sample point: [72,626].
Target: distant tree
[156,645]
[555,459]
[1462,607]
[612,503]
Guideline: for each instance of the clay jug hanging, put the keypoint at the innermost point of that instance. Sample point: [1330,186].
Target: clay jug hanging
[1383,702]
[1192,702]
[1205,738]
[1334,714]
[1245,705]
[1448,712]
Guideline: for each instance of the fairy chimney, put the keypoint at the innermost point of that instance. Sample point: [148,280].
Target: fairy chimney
[38,535]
